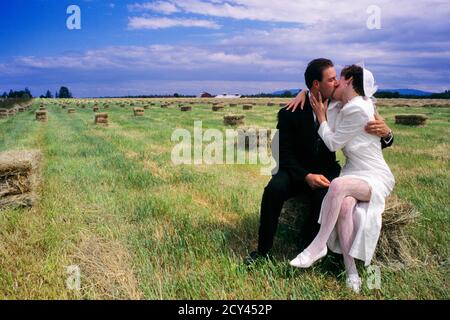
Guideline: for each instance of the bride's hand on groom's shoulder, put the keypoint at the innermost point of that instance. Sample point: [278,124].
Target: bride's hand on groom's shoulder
[319,107]
[298,101]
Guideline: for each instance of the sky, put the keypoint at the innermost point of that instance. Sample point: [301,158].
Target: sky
[133,47]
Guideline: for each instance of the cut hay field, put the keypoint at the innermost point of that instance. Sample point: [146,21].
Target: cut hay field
[138,227]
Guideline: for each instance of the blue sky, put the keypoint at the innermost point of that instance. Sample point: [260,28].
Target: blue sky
[234,46]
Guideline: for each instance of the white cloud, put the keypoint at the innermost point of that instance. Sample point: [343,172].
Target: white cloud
[175,57]
[305,12]
[158,6]
[161,23]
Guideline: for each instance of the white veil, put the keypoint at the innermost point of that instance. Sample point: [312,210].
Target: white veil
[369,83]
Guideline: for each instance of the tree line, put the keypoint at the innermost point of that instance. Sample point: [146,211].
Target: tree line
[396,94]
[62,93]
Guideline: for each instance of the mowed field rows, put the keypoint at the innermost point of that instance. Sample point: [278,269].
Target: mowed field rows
[138,226]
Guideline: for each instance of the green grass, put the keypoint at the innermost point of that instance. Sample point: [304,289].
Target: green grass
[138,226]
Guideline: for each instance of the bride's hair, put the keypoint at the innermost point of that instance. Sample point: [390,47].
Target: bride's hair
[358,77]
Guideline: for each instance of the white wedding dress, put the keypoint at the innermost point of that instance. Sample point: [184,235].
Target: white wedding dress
[344,129]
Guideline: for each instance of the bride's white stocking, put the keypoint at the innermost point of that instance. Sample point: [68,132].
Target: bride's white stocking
[339,189]
[347,224]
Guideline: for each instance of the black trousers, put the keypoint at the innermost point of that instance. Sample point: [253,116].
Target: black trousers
[279,189]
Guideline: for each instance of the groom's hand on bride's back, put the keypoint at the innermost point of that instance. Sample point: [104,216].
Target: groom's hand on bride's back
[378,127]
[316,181]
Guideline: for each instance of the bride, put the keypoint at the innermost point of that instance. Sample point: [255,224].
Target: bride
[350,215]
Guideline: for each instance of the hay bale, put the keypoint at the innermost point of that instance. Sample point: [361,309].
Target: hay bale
[42,108]
[394,246]
[270,104]
[435,105]
[248,134]
[411,119]
[294,212]
[217,107]
[146,107]
[234,119]
[247,107]
[186,108]
[138,112]
[101,118]
[21,109]
[19,178]
[71,110]
[41,115]
[233,105]
[3,113]
[95,109]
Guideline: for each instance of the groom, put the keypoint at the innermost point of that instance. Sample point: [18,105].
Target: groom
[306,166]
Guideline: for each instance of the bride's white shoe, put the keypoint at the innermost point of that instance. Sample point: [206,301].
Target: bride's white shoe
[304,259]
[354,282]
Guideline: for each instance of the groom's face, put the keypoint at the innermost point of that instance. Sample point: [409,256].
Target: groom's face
[328,83]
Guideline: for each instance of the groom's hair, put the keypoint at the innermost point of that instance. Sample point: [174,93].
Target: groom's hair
[358,77]
[314,70]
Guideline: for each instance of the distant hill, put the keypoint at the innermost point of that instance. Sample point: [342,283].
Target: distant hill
[280,92]
[410,92]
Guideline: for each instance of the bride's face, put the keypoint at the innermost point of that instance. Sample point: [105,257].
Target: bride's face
[342,88]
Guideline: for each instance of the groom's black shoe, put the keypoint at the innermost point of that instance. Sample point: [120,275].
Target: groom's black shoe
[255,257]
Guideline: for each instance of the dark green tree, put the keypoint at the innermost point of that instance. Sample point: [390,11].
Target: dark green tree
[23,94]
[287,94]
[27,93]
[48,95]
[64,93]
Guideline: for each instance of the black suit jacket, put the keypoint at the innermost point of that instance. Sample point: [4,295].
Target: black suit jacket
[301,150]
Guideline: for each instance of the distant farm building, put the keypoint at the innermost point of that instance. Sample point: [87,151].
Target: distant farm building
[206,95]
